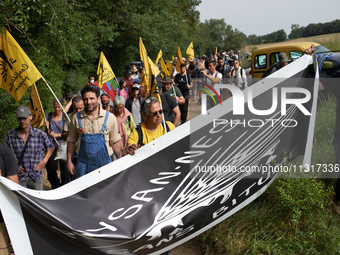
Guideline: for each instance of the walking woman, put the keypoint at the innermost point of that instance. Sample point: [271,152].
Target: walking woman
[54,128]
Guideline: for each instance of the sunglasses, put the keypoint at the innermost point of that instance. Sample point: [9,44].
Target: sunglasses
[148,100]
[105,104]
[156,112]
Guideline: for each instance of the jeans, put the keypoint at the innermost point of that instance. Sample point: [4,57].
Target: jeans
[31,184]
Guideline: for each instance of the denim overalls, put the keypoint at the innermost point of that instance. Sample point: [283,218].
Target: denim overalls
[93,153]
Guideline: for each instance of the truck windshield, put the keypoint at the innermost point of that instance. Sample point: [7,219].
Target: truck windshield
[321,49]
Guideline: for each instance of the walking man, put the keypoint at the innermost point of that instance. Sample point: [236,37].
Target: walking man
[29,145]
[97,131]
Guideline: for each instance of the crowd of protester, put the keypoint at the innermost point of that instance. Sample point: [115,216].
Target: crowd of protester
[100,125]
[110,114]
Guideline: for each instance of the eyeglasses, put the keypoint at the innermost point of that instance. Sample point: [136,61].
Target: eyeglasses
[156,112]
[105,104]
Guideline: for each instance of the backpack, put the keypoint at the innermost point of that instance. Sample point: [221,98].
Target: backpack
[140,133]
[242,72]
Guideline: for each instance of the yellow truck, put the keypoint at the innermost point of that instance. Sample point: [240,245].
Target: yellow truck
[263,58]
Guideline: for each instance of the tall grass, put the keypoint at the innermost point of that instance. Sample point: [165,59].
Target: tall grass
[294,216]
[332,44]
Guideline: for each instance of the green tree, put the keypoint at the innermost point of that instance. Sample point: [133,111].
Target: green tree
[296,32]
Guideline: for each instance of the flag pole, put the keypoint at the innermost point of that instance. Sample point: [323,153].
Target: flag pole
[158,96]
[159,100]
[116,80]
[56,98]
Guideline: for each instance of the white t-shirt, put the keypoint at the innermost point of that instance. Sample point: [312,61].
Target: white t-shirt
[239,79]
[209,82]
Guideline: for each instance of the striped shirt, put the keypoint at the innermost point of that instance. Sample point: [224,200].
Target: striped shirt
[34,154]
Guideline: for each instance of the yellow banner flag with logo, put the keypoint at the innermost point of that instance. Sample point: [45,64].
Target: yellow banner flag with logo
[179,60]
[104,70]
[146,80]
[17,72]
[190,51]
[160,54]
[154,71]
[170,67]
[38,115]
[165,70]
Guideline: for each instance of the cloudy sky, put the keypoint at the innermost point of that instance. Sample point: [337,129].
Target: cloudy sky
[262,17]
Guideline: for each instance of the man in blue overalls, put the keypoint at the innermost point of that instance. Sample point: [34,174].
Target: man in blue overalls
[97,130]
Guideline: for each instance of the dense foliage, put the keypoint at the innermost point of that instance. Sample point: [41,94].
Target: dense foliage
[64,38]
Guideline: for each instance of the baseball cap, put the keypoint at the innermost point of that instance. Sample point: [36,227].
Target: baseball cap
[135,86]
[283,57]
[23,112]
[136,80]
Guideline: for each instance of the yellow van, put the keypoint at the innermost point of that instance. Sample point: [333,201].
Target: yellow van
[263,58]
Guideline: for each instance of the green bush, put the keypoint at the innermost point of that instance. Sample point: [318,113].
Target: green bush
[294,216]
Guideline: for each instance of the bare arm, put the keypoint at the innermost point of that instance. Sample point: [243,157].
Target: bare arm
[130,149]
[70,149]
[212,79]
[43,162]
[180,100]
[177,113]
[116,149]
[13,178]
[68,105]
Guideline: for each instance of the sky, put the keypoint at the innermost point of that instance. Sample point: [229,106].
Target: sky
[261,17]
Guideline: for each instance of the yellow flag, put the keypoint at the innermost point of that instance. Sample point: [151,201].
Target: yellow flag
[154,71]
[104,70]
[179,60]
[170,67]
[146,80]
[160,54]
[165,70]
[216,50]
[17,72]
[190,51]
[173,58]
[36,108]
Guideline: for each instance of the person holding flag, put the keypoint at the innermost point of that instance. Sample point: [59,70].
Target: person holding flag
[54,128]
[183,81]
[169,88]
